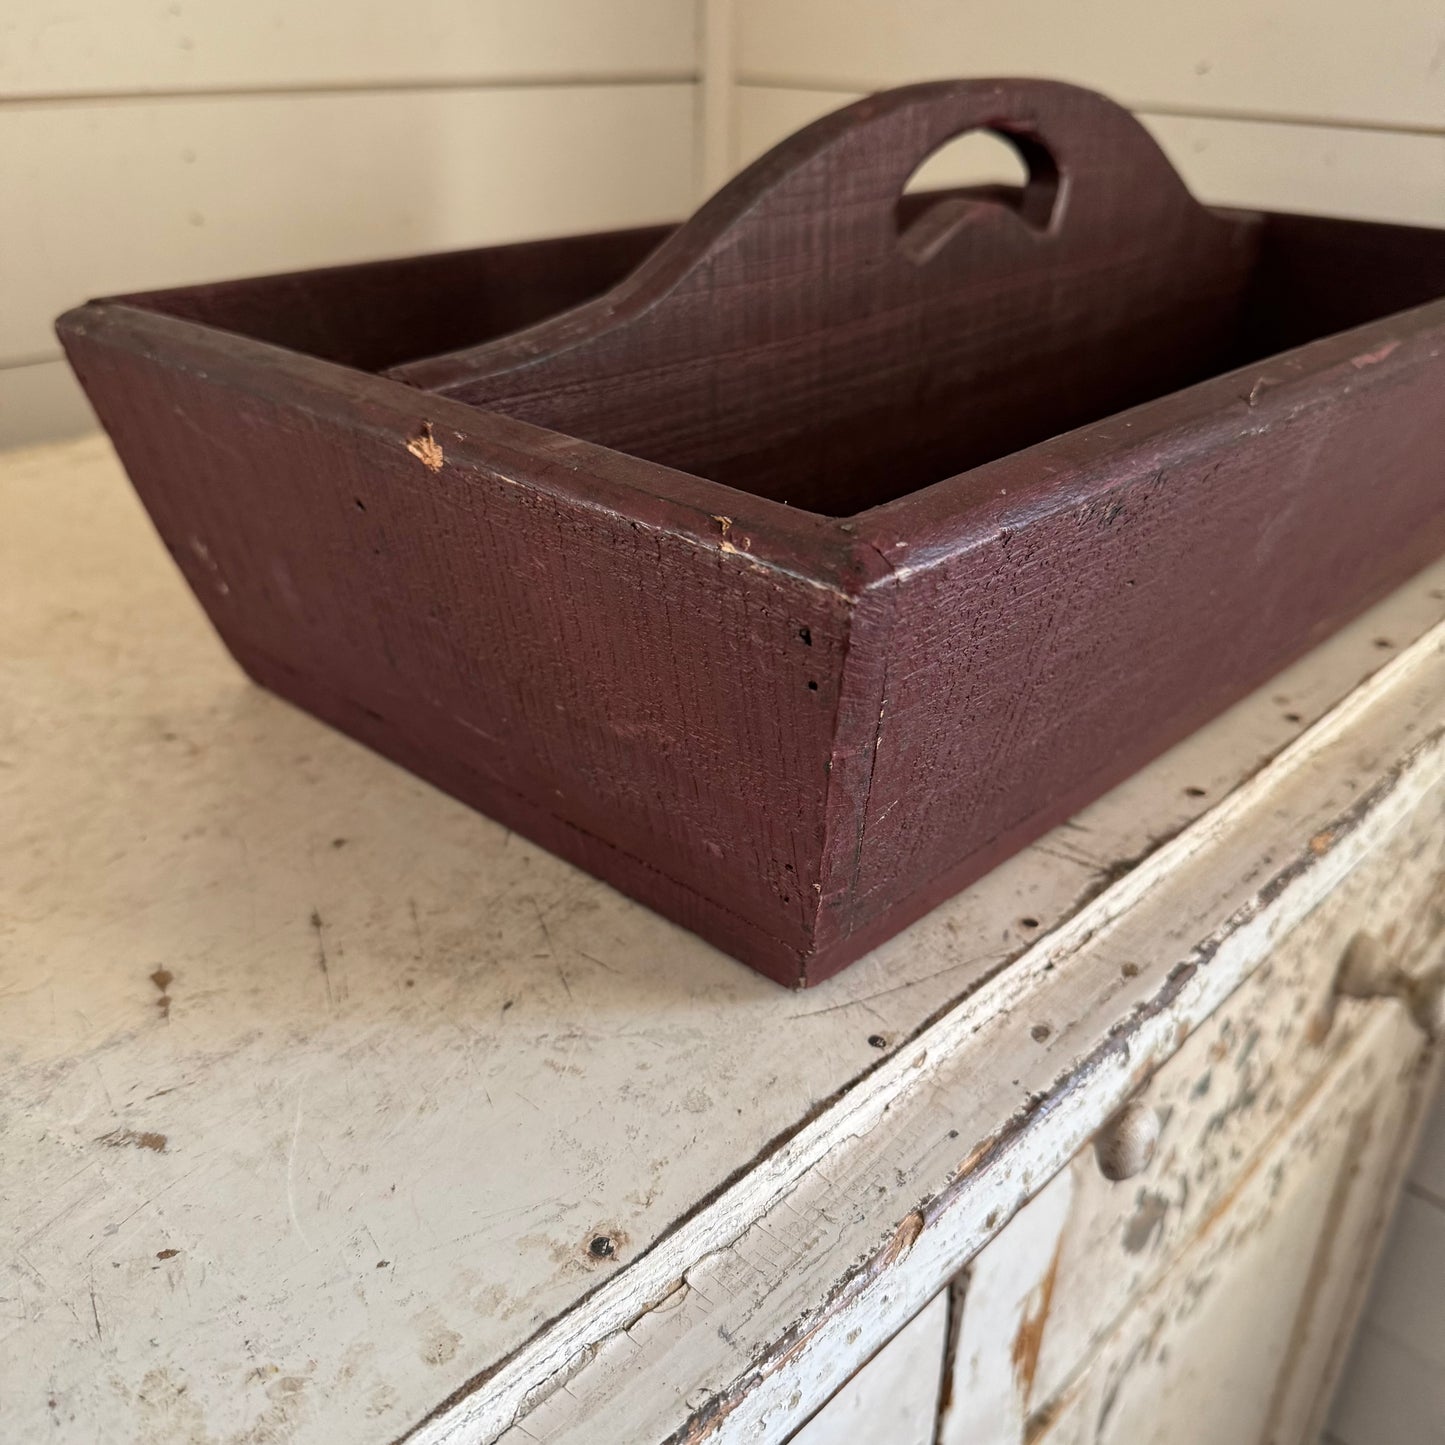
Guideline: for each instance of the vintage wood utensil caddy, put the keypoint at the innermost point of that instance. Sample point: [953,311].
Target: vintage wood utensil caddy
[790,568]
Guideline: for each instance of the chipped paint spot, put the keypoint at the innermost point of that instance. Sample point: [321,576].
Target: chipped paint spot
[1030,1337]
[904,1238]
[1370,358]
[1146,1225]
[120,1138]
[203,553]
[426,448]
[440,1345]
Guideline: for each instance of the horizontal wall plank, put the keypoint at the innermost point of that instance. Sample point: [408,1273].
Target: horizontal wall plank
[1330,171]
[50,47]
[116,197]
[1335,172]
[1382,63]
[41,402]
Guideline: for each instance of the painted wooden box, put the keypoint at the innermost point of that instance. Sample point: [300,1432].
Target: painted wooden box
[790,568]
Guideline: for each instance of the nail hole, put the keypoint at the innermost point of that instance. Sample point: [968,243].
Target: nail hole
[877,1041]
[1192,792]
[812,686]
[1028,922]
[1293,717]
[1383,643]
[601,1247]
[806,635]
[1040,1032]
[360,505]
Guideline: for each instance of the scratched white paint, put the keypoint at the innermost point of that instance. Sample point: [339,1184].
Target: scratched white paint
[317,1085]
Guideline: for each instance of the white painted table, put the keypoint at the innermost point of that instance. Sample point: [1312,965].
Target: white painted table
[333,1112]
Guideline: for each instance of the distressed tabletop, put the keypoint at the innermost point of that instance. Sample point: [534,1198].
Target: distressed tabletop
[323,1095]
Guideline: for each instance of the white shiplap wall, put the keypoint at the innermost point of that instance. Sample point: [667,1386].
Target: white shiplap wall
[145,143]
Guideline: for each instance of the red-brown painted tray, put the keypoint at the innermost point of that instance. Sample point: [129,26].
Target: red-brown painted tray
[790,568]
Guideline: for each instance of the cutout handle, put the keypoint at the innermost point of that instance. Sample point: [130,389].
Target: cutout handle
[795,274]
[928,219]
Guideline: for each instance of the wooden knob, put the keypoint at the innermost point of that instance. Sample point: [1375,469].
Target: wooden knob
[1126,1144]
[1367,971]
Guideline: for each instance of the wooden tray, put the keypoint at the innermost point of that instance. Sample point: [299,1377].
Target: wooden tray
[790,569]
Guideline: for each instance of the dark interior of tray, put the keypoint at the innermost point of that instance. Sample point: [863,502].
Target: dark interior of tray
[1311,277]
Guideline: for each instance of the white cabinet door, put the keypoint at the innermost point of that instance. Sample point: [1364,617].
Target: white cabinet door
[893,1399]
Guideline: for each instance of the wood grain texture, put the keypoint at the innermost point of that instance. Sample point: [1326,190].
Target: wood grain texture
[500,1057]
[805,339]
[794,732]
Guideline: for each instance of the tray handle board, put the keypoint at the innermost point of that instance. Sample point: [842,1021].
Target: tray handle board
[796,285]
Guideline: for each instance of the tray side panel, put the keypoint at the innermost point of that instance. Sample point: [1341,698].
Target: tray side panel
[655,705]
[1111,592]
[806,339]
[379,313]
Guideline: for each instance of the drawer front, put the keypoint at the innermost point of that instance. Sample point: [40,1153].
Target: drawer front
[1238,1340]
[1044,1295]
[894,1397]
[1226,1093]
